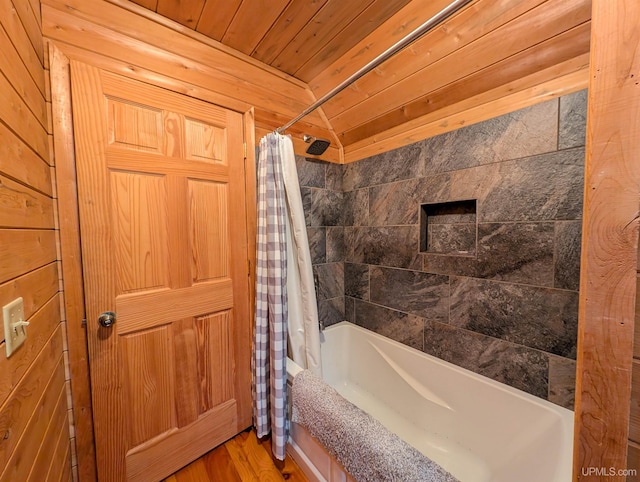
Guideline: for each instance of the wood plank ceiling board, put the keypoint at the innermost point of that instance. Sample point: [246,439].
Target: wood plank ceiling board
[168,34]
[393,30]
[35,7]
[297,14]
[216,17]
[150,4]
[334,16]
[251,22]
[474,22]
[364,24]
[287,34]
[186,12]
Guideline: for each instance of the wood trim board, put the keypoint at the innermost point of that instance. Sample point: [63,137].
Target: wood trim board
[610,230]
[71,261]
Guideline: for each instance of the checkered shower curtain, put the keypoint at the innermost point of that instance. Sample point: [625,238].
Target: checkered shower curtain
[269,361]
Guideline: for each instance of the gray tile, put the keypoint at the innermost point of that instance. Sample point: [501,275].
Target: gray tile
[407,329]
[523,133]
[330,280]
[350,309]
[542,318]
[415,292]
[562,381]
[356,280]
[403,163]
[317,245]
[326,208]
[395,203]
[305,193]
[398,203]
[567,255]
[356,208]
[455,239]
[334,177]
[331,311]
[385,246]
[573,120]
[451,265]
[335,244]
[521,252]
[517,252]
[518,366]
[539,188]
[474,183]
[311,172]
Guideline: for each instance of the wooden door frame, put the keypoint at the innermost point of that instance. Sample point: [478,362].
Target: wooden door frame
[70,252]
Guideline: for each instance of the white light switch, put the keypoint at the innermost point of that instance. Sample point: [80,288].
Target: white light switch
[15,326]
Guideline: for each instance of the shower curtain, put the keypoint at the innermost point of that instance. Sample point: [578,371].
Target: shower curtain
[285,294]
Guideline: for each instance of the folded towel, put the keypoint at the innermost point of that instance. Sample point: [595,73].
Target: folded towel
[364,447]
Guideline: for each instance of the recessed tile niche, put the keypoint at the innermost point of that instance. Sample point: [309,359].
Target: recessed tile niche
[449,228]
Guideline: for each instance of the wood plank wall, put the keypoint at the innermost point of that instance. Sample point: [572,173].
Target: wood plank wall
[133,41]
[34,423]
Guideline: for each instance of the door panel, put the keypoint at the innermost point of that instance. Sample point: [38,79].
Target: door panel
[140,230]
[205,142]
[209,241]
[149,382]
[134,126]
[214,370]
[164,239]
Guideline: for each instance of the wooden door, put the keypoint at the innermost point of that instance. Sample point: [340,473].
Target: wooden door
[164,243]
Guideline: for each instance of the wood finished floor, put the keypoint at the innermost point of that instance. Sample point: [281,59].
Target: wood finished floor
[243,458]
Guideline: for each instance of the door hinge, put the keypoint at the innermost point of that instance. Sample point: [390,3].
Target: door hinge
[249,273]
[244,146]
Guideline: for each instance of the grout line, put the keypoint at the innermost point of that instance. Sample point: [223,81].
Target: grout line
[558,126]
[555,254]
[369,268]
[449,303]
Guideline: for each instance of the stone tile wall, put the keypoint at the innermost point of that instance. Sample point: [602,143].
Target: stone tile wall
[322,199]
[509,311]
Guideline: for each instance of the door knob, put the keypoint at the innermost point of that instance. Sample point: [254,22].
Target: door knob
[107,319]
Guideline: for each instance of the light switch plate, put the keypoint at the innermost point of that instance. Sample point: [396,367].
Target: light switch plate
[14,336]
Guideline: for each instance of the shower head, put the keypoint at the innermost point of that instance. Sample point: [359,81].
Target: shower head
[317,146]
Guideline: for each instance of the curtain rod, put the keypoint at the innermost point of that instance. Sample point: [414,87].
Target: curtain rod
[434,21]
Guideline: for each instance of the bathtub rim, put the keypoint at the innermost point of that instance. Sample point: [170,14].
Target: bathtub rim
[562,411]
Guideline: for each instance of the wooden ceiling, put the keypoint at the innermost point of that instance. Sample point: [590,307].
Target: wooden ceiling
[298,37]
[487,52]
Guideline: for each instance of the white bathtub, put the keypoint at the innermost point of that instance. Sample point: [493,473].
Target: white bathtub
[477,429]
